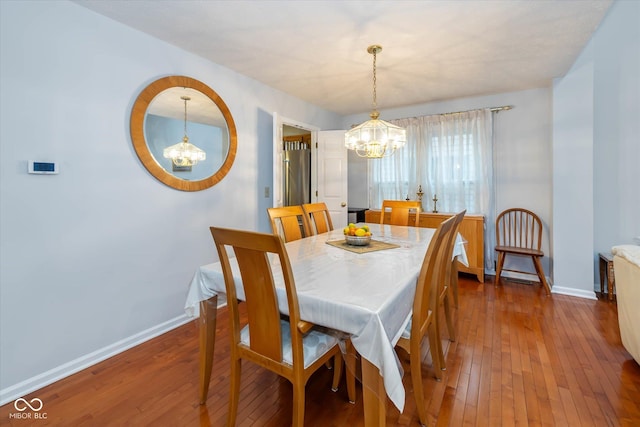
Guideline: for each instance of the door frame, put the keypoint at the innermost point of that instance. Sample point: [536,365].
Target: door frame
[277,183]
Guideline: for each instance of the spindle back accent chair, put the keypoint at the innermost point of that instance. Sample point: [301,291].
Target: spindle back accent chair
[519,232]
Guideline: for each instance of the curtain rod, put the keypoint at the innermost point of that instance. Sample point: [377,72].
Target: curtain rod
[493,110]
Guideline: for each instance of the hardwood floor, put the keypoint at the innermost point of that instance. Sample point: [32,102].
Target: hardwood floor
[521,358]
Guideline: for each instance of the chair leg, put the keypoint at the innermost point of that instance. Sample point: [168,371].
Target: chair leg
[436,350]
[350,362]
[449,320]
[337,371]
[501,256]
[442,362]
[454,281]
[234,395]
[540,271]
[416,378]
[207,331]
[298,403]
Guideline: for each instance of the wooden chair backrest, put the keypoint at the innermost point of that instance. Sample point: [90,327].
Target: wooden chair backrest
[444,283]
[289,222]
[519,228]
[251,250]
[431,273]
[318,216]
[451,244]
[400,211]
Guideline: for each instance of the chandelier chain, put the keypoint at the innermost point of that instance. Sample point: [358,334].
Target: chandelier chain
[375,138]
[184,154]
[186,98]
[375,101]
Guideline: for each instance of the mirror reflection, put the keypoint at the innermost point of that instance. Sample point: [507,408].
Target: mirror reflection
[186,133]
[183,133]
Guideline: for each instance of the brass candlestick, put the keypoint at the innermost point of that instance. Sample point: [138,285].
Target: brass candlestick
[435,203]
[420,194]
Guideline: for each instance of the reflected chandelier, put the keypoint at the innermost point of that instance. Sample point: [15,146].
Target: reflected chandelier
[375,138]
[184,154]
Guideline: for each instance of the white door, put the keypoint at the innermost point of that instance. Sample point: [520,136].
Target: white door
[332,175]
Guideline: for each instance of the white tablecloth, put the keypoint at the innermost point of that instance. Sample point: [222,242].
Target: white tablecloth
[368,296]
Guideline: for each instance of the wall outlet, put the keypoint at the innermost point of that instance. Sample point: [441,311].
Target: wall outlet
[266,191]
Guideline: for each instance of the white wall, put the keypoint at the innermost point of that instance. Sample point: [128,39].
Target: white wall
[100,256]
[597,150]
[522,151]
[573,179]
[571,153]
[616,126]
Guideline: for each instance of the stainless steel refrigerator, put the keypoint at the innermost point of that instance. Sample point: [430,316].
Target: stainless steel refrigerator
[297,173]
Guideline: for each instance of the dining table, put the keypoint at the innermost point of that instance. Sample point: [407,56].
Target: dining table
[366,292]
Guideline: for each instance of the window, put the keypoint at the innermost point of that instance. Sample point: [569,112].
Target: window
[451,157]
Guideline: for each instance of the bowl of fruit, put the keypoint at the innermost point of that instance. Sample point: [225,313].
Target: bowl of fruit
[357,235]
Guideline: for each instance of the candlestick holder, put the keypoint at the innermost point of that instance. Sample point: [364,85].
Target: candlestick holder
[435,203]
[420,194]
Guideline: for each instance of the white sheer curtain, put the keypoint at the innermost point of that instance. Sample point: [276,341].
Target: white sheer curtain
[451,157]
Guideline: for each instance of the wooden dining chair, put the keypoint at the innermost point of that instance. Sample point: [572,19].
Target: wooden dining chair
[400,211]
[318,216]
[292,223]
[289,222]
[425,306]
[294,349]
[446,286]
[453,283]
[519,232]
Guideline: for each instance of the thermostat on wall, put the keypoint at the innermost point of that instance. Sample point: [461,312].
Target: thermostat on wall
[47,168]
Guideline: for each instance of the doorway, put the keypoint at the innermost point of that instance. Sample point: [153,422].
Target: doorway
[296,166]
[328,159]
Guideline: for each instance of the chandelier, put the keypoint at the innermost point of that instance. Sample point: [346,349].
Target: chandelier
[184,154]
[375,138]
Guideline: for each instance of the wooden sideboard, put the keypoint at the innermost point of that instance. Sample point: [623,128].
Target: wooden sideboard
[471,229]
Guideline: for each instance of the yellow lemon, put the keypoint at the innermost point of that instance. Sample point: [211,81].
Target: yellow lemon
[360,232]
[345,230]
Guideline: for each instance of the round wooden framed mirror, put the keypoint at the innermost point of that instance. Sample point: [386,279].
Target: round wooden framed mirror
[177,109]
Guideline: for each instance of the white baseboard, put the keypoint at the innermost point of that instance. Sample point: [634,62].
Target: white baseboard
[555,289]
[37,382]
[580,293]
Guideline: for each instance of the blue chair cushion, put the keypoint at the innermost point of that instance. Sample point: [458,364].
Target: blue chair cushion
[314,344]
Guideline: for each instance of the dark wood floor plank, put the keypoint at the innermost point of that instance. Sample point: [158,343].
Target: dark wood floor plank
[520,358]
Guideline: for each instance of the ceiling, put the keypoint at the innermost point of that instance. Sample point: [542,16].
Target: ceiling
[432,50]
[199,109]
